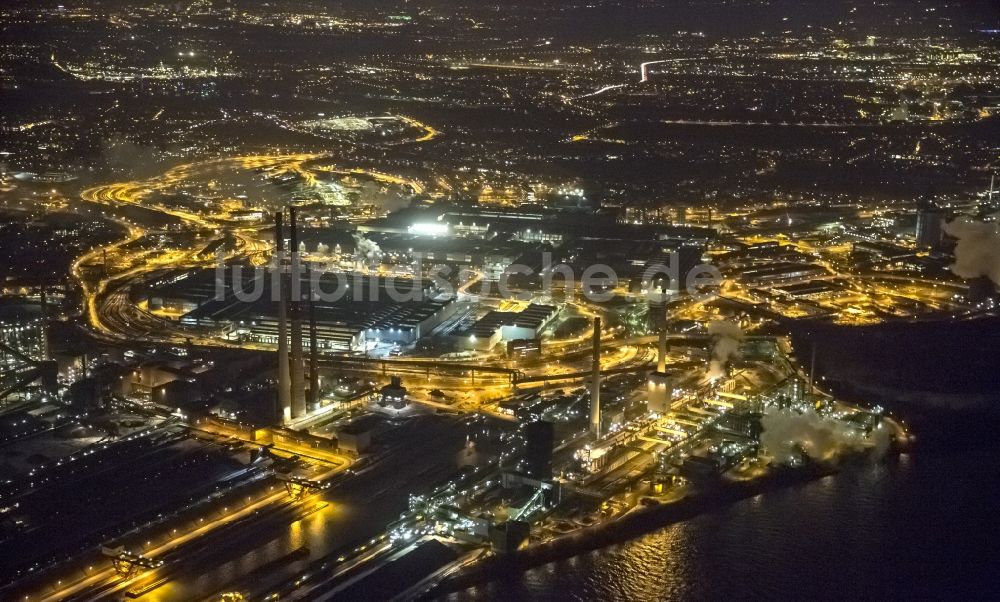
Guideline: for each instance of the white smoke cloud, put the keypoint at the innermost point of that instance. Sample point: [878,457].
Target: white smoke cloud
[978,250]
[716,370]
[787,433]
[366,249]
[727,336]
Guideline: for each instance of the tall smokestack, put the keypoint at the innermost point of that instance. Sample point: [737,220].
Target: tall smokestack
[660,388]
[595,382]
[661,358]
[812,370]
[45,325]
[313,355]
[284,380]
[295,307]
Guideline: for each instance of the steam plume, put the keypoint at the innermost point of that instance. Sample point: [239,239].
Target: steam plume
[978,250]
[366,250]
[727,336]
[787,433]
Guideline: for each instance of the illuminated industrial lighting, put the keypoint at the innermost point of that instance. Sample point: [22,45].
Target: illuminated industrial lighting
[428,229]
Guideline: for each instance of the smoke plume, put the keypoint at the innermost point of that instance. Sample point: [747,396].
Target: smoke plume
[978,250]
[788,433]
[727,336]
[366,250]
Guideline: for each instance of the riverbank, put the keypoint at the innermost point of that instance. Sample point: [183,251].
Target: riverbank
[637,522]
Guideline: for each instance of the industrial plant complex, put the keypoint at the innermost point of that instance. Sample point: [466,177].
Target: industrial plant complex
[389,302]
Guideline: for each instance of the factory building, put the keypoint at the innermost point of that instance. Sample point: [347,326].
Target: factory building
[431,243]
[930,227]
[531,224]
[365,310]
[882,249]
[356,437]
[539,438]
[24,349]
[26,335]
[669,270]
[781,272]
[814,290]
[393,395]
[497,326]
